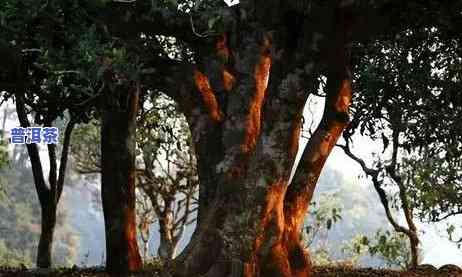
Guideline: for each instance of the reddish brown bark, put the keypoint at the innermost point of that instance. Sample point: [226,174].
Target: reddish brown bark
[265,250]
[250,217]
[261,76]
[118,182]
[333,122]
[228,80]
[208,96]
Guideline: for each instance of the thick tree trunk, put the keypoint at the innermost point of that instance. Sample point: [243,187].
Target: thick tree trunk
[242,230]
[118,184]
[246,127]
[44,251]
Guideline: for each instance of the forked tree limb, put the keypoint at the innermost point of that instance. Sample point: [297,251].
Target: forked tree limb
[333,122]
[411,230]
[373,173]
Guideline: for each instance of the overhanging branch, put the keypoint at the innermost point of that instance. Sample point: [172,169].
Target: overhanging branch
[172,77]
[132,18]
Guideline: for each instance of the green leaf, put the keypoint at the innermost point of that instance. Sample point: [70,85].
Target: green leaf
[173,3]
[212,21]
[329,224]
[365,240]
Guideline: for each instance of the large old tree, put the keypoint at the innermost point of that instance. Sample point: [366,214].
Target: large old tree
[243,98]
[241,76]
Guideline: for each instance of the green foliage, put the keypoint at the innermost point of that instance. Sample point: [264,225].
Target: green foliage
[321,257]
[153,265]
[19,215]
[3,151]
[356,248]
[168,173]
[409,100]
[437,178]
[65,52]
[409,81]
[48,36]
[14,257]
[20,224]
[322,216]
[85,147]
[391,247]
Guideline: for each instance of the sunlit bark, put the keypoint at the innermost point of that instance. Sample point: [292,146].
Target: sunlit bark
[118,182]
[243,100]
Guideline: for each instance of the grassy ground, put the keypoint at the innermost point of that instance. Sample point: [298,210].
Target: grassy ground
[424,271]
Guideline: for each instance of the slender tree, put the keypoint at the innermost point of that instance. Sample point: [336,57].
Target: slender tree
[45,88]
[403,118]
[50,194]
[168,175]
